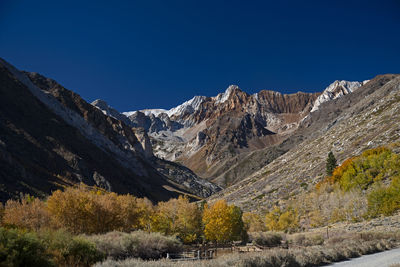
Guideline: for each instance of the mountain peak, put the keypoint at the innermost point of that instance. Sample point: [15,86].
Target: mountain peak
[187,107]
[222,97]
[337,89]
[101,104]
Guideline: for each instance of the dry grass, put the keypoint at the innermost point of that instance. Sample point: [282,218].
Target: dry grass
[305,240]
[268,239]
[334,250]
[138,244]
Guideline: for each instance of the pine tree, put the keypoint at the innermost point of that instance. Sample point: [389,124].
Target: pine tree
[331,164]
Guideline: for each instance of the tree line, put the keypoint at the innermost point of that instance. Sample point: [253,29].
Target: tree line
[87,210]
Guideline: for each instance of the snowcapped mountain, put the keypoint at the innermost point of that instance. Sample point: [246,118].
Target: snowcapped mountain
[335,90]
[205,131]
[187,107]
[222,97]
[208,134]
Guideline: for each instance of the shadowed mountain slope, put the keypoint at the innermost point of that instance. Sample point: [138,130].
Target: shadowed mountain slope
[51,137]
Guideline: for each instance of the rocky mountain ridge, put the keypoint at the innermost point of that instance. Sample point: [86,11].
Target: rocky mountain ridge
[51,137]
[366,118]
[212,135]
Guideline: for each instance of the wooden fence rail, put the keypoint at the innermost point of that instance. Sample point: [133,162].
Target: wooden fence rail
[191,255]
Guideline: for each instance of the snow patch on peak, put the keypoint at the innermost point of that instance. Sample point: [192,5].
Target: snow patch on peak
[346,86]
[129,113]
[255,96]
[154,111]
[222,97]
[187,107]
[335,90]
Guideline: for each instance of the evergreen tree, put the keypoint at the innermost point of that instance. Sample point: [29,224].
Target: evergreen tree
[331,164]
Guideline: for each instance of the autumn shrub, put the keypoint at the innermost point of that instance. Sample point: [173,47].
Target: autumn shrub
[253,222]
[282,220]
[371,166]
[268,239]
[29,213]
[138,244]
[21,248]
[362,187]
[384,199]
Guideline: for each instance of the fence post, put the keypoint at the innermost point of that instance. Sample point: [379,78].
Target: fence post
[198,254]
[167,255]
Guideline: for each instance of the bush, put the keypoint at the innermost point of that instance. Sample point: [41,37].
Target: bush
[19,248]
[266,239]
[69,250]
[385,200]
[49,248]
[306,240]
[138,244]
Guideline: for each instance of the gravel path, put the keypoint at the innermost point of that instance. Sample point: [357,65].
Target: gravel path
[382,259]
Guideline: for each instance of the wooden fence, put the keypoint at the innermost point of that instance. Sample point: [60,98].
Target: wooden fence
[191,255]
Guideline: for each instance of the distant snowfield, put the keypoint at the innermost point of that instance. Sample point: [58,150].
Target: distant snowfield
[381,259]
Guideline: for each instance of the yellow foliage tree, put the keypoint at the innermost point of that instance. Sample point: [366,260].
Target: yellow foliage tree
[272,219]
[223,222]
[145,213]
[253,222]
[86,210]
[178,217]
[278,220]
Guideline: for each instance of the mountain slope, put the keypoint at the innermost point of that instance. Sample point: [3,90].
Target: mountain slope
[52,137]
[366,118]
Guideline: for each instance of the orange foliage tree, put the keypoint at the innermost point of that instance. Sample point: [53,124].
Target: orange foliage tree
[84,210]
[29,213]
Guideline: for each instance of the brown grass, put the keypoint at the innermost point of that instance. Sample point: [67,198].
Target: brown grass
[334,250]
[138,244]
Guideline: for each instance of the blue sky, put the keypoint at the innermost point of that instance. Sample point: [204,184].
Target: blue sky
[157,54]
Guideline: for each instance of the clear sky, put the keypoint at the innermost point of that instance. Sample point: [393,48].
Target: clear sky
[157,54]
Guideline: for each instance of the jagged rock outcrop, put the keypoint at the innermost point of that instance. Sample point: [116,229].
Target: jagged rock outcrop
[335,90]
